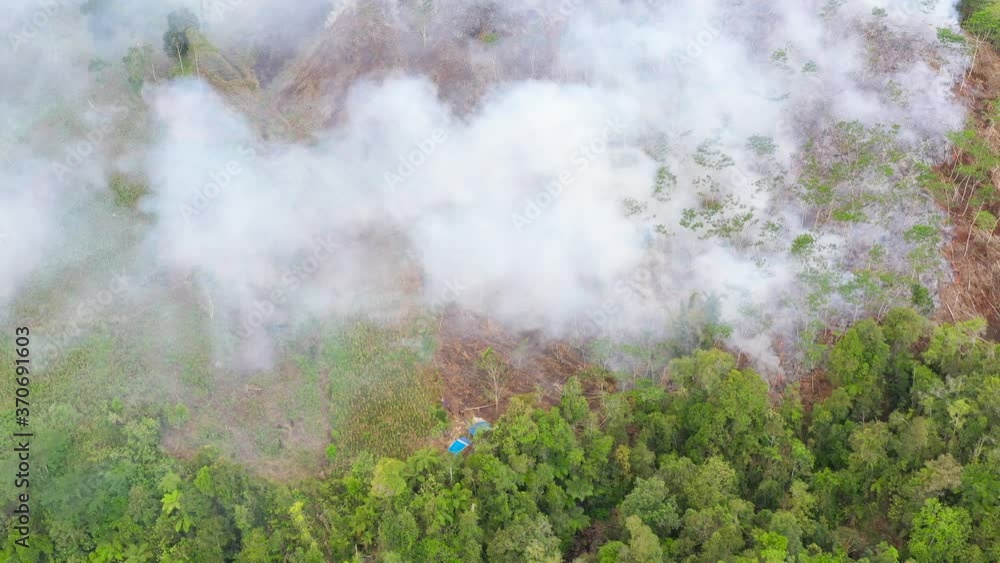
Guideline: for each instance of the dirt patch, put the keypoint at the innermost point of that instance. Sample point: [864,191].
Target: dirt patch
[975,292]
[537,366]
[589,540]
[982,82]
[974,251]
[814,389]
[465,55]
[264,425]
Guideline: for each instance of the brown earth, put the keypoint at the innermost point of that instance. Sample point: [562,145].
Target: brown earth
[458,54]
[538,367]
[974,253]
[814,389]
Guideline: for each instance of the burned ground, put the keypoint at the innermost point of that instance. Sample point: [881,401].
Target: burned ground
[974,251]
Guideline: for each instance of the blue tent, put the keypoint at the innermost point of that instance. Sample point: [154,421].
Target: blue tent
[458,446]
[478,426]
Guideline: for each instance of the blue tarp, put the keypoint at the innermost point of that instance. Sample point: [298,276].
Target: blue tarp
[481,425]
[458,446]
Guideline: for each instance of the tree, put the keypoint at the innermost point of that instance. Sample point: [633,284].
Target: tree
[955,349]
[644,546]
[730,421]
[470,537]
[902,329]
[940,533]
[985,22]
[788,526]
[857,363]
[136,61]
[713,483]
[497,375]
[869,456]
[526,539]
[572,404]
[771,547]
[398,533]
[388,479]
[173,507]
[650,500]
[175,40]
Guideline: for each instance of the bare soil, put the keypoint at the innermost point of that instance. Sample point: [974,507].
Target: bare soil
[974,254]
[538,366]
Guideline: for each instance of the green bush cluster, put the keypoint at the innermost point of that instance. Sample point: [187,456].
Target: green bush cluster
[982,18]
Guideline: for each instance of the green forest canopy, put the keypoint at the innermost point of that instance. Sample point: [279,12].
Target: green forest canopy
[899,462]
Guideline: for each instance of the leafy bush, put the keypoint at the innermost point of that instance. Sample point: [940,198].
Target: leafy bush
[982,18]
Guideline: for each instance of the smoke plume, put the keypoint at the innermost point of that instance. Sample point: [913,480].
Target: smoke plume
[589,169]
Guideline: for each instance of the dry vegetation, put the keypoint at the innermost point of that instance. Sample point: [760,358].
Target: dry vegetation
[974,251]
[460,54]
[537,366]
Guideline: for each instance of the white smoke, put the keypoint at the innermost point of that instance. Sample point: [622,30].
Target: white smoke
[570,194]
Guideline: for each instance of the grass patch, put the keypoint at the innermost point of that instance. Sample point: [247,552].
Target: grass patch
[372,386]
[126,193]
[383,394]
